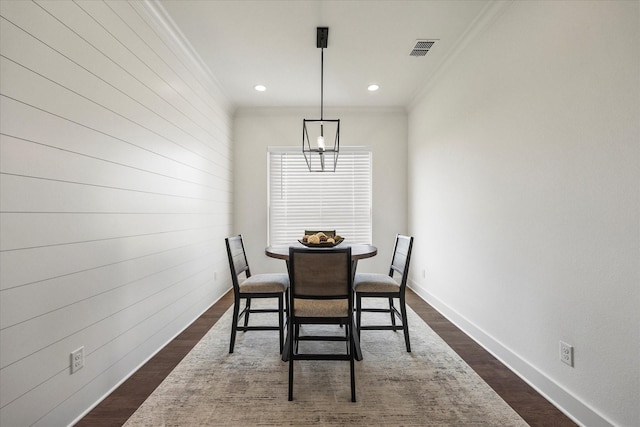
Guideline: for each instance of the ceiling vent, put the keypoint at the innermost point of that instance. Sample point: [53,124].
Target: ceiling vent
[422,47]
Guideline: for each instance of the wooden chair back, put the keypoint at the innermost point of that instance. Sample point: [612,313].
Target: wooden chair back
[401,257]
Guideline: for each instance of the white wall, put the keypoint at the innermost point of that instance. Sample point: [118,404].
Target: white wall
[523,191]
[384,130]
[116,194]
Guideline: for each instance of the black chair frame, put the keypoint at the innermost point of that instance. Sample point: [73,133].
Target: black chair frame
[295,322]
[237,268]
[396,267]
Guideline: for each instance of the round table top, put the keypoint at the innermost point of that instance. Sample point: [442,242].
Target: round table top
[358,250]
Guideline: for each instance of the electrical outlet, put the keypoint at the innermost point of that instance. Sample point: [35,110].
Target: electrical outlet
[424,273]
[566,353]
[77,360]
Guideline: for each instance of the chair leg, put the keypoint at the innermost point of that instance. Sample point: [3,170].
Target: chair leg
[234,324]
[286,300]
[405,325]
[247,311]
[291,336]
[347,335]
[281,321]
[392,312]
[352,353]
[358,313]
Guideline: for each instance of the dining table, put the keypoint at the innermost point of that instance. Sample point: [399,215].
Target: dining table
[358,251]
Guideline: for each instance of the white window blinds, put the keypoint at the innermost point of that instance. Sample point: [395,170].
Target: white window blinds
[300,200]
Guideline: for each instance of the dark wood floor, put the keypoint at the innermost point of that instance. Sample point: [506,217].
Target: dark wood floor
[123,402]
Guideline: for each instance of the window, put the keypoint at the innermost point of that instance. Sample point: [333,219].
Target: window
[300,200]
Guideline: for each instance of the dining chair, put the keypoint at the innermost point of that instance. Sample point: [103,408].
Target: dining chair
[321,294]
[247,286]
[373,285]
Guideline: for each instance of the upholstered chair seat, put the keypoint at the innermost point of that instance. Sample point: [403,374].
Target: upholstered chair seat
[321,308]
[265,282]
[372,282]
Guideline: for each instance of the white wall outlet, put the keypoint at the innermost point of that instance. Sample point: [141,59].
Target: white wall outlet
[566,353]
[424,273]
[215,275]
[77,359]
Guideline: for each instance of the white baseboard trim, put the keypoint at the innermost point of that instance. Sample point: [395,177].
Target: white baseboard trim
[141,364]
[569,404]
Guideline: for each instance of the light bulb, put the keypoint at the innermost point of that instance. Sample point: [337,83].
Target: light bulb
[321,143]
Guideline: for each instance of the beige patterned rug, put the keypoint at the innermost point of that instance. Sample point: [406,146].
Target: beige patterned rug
[431,386]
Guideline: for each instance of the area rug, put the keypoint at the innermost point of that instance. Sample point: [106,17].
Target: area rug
[431,386]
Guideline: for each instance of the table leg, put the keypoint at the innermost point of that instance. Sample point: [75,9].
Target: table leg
[356,340]
[285,348]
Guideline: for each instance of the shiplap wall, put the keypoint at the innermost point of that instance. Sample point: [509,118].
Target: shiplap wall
[116,195]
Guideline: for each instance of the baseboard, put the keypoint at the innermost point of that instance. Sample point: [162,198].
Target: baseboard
[141,364]
[569,404]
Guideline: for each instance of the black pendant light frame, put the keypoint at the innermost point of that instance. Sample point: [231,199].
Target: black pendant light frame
[323,154]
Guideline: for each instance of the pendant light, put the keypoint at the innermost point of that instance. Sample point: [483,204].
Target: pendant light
[321,137]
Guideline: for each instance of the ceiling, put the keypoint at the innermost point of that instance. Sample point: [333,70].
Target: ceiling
[273,43]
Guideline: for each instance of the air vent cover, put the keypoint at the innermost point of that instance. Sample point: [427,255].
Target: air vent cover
[422,47]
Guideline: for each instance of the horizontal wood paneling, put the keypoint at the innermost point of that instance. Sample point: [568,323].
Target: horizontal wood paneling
[65,259]
[115,198]
[55,293]
[72,44]
[22,231]
[82,140]
[56,196]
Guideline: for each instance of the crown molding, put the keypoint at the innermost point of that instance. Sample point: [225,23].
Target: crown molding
[489,14]
[180,45]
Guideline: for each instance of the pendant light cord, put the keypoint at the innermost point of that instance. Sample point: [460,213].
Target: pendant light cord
[321,83]
[321,92]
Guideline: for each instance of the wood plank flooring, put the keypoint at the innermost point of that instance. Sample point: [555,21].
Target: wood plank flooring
[123,402]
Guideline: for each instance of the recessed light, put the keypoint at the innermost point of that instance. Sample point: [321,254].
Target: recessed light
[373,88]
[260,88]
